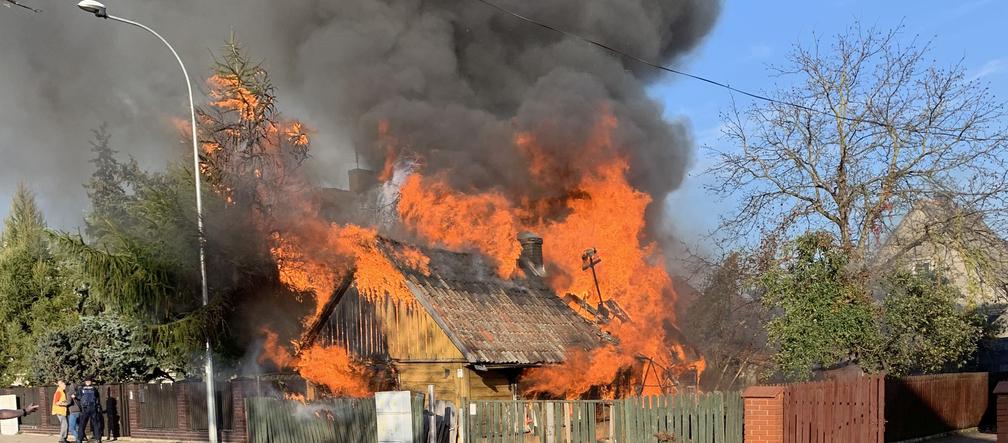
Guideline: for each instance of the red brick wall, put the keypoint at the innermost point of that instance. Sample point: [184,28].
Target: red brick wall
[238,394]
[764,414]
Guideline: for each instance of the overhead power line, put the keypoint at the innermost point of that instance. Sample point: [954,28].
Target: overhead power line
[715,82]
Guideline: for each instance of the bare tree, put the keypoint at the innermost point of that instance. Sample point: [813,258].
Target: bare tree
[726,321]
[869,127]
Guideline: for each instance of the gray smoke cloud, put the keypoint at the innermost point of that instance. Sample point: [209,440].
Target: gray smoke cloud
[453,78]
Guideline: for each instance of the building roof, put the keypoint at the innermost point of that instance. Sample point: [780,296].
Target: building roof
[944,222]
[491,320]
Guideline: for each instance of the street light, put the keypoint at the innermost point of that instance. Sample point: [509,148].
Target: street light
[99,10]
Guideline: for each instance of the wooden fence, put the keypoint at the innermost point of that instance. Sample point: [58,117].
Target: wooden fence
[845,410]
[931,404]
[703,418]
[706,418]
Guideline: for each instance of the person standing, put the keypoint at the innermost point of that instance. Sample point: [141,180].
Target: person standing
[90,405]
[60,402]
[73,410]
[112,417]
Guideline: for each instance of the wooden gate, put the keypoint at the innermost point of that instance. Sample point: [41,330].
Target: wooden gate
[699,418]
[846,410]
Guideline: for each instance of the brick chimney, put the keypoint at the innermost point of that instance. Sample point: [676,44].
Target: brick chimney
[531,258]
[362,180]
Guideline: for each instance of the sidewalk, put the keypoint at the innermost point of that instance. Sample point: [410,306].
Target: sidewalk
[965,437]
[37,438]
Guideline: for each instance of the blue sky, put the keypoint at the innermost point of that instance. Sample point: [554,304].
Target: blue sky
[750,35]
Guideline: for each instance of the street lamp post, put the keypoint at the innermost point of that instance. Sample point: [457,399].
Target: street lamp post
[99,10]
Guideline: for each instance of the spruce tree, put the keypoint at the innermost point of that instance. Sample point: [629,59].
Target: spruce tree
[33,296]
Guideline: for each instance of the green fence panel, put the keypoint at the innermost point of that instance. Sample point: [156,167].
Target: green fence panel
[280,421]
[698,418]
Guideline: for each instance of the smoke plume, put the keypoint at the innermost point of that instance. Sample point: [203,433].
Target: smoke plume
[456,79]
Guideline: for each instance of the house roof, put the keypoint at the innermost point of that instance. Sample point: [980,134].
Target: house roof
[942,221]
[491,320]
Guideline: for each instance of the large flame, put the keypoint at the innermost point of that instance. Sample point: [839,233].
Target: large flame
[604,211]
[311,263]
[329,366]
[333,368]
[593,206]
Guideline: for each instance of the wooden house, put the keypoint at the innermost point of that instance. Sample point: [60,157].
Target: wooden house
[466,331]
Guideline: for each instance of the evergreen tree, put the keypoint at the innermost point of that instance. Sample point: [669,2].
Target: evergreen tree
[109,348]
[925,329]
[822,317]
[34,298]
[111,188]
[142,259]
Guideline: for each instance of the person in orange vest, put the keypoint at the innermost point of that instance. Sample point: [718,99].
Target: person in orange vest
[60,402]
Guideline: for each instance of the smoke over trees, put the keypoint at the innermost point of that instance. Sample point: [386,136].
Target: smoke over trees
[455,78]
[453,82]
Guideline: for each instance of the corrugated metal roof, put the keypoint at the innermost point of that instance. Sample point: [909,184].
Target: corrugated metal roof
[494,320]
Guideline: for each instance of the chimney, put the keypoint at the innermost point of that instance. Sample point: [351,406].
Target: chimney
[531,258]
[362,180]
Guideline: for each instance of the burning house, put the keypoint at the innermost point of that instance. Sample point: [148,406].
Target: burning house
[397,316]
[546,136]
[464,330]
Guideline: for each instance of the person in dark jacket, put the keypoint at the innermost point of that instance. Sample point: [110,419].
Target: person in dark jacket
[90,405]
[73,410]
[112,417]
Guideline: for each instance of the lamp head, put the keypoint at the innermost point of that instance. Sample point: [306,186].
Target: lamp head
[93,7]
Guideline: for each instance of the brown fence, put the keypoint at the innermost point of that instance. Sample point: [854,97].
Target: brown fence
[931,404]
[44,422]
[161,410]
[845,410]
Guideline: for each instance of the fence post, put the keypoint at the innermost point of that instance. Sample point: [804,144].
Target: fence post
[550,423]
[432,427]
[763,414]
[1001,391]
[181,391]
[463,421]
[133,406]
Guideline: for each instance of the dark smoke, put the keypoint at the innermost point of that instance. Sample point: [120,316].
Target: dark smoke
[454,78]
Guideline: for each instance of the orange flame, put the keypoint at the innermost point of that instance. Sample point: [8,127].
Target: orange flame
[274,352]
[226,91]
[595,206]
[304,268]
[333,368]
[485,222]
[330,366]
[605,212]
